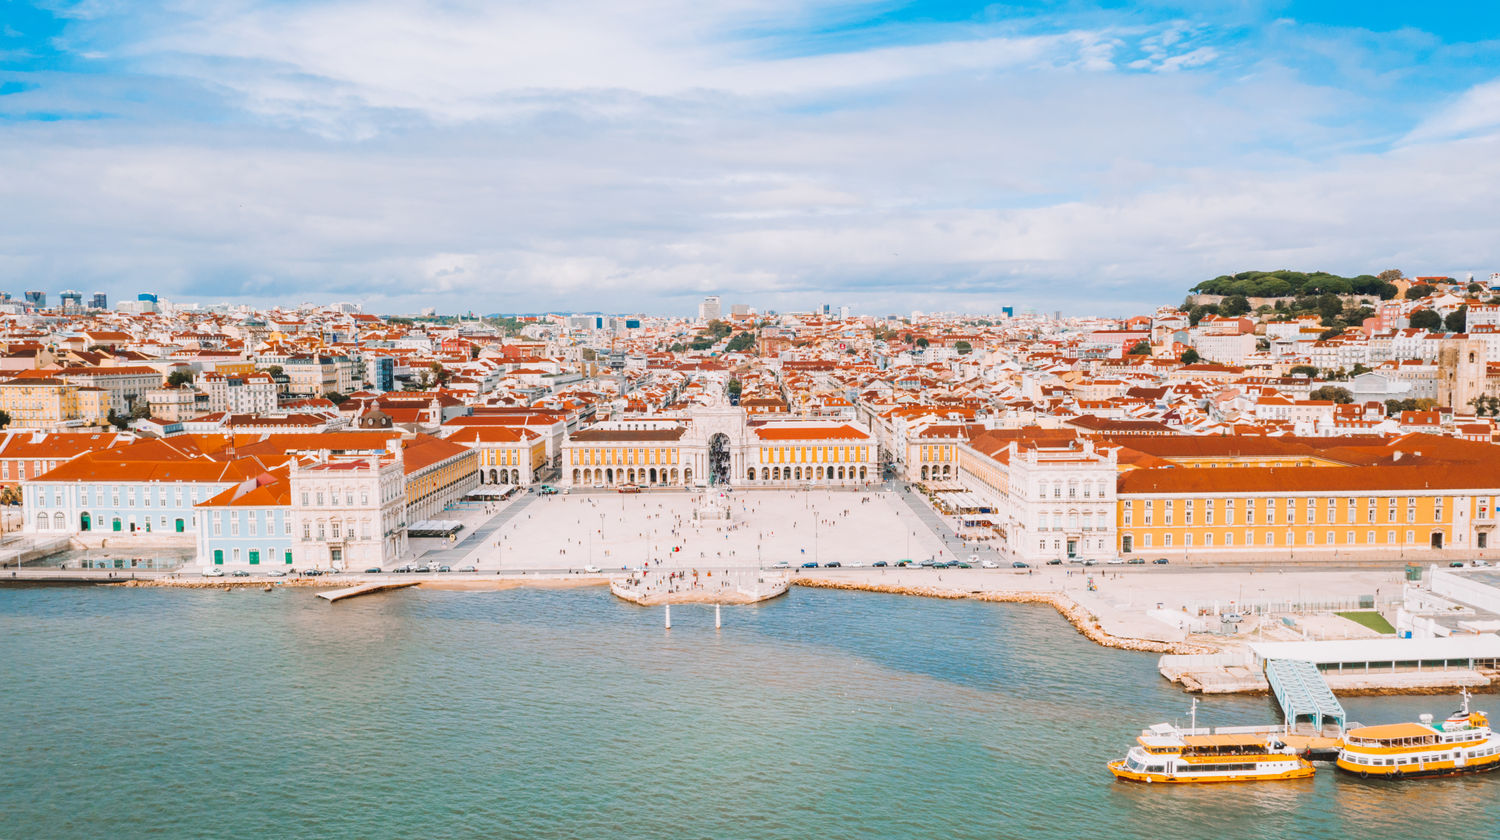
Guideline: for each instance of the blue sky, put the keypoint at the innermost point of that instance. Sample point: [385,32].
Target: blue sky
[1089,157]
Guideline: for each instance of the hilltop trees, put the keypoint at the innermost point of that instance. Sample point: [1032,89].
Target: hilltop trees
[1287,283]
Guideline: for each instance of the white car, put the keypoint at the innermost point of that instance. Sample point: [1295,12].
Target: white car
[593,570]
[1116,561]
[781,564]
[468,569]
[276,573]
[855,564]
[213,571]
[988,564]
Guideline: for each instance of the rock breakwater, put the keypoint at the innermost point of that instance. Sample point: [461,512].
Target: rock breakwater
[1076,615]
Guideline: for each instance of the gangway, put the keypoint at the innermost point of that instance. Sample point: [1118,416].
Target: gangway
[1303,693]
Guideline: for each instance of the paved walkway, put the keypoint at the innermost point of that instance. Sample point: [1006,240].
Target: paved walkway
[479,537]
[955,546]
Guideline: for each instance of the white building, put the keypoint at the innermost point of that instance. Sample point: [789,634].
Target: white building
[348,512]
[1054,496]
[251,394]
[710,309]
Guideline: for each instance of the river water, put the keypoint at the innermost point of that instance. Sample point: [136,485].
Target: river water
[561,714]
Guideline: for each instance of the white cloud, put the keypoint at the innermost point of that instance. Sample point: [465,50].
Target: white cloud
[1476,110]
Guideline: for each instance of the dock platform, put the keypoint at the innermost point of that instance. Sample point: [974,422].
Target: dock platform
[365,589]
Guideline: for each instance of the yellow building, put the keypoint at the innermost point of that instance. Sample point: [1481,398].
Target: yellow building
[41,402]
[1323,510]
[506,454]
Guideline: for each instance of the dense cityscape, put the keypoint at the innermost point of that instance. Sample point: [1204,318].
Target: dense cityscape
[749,421]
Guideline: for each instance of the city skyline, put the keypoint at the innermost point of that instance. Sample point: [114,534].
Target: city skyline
[891,156]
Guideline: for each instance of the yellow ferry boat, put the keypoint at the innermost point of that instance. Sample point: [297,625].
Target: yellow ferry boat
[1463,743]
[1164,754]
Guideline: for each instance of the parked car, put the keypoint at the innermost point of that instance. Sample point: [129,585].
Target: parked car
[469,568]
[630,488]
[445,568]
[928,563]
[781,564]
[1136,561]
[958,564]
[880,563]
[1456,564]
[1020,565]
[1480,564]
[239,573]
[1160,561]
[593,570]
[422,569]
[1056,561]
[1091,562]
[213,571]
[546,490]
[988,564]
[856,564]
[809,565]
[373,570]
[1116,561]
[973,558]
[832,564]
[276,573]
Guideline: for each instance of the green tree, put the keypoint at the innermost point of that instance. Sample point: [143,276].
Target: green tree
[275,371]
[179,378]
[4,419]
[734,389]
[678,347]
[1426,319]
[1329,306]
[740,343]
[1234,306]
[1332,392]
[1141,348]
[1330,332]
[923,343]
[1418,292]
[1390,275]
[1190,357]
[963,348]
[1303,370]
[1456,320]
[1358,369]
[335,397]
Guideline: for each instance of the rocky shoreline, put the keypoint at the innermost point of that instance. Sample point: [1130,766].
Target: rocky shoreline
[1065,606]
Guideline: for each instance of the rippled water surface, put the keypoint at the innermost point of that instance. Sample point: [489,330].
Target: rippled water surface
[539,714]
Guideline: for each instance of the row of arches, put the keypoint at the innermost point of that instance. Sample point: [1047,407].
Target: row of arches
[501,477]
[933,471]
[652,477]
[807,474]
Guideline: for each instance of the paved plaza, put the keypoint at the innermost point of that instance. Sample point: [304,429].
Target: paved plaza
[617,530]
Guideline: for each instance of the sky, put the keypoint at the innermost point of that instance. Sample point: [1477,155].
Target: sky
[1093,158]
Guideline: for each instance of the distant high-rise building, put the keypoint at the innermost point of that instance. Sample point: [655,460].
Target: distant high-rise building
[710,309]
[71,301]
[36,299]
[843,313]
[739,309]
[100,301]
[144,296]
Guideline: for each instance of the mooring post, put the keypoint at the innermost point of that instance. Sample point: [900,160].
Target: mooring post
[669,616]
[718,622]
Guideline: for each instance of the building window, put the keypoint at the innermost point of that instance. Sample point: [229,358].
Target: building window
[304,498]
[1166,540]
[218,524]
[1146,540]
[335,528]
[1229,538]
[1270,538]
[1208,540]
[306,531]
[234,523]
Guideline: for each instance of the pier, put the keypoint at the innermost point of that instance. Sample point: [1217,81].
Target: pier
[365,589]
[1299,687]
[717,586]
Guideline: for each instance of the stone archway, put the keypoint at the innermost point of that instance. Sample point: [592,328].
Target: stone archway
[718,459]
